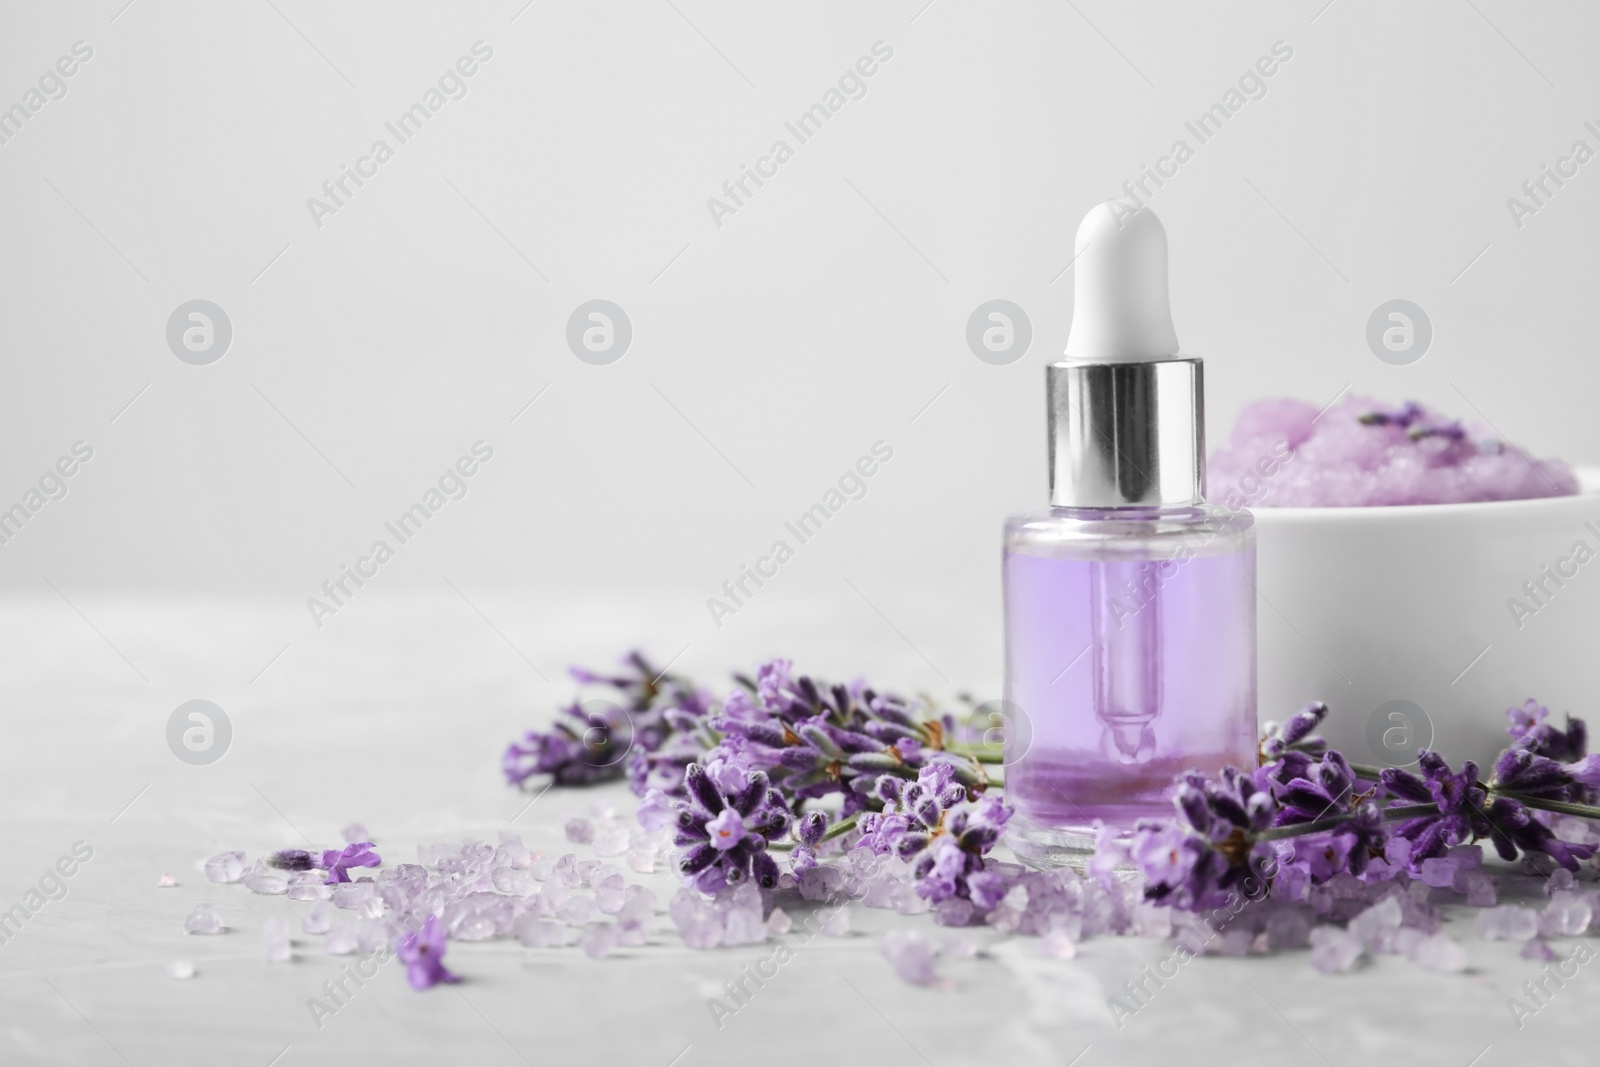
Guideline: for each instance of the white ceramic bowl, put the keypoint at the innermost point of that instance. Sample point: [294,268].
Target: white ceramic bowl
[1400,618]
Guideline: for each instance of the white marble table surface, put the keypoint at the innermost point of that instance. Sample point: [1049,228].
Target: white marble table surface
[394,716]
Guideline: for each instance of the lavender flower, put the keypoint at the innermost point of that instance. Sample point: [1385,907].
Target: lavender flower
[931,824]
[596,741]
[423,954]
[1530,731]
[724,836]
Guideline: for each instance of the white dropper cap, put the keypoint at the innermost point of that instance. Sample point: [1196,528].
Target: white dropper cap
[1120,312]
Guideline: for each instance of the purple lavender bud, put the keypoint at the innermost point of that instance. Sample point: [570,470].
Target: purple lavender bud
[909,844]
[765,870]
[1302,722]
[876,762]
[1191,804]
[852,742]
[819,739]
[698,859]
[754,792]
[929,811]
[812,826]
[953,794]
[887,788]
[1406,786]
[292,859]
[701,789]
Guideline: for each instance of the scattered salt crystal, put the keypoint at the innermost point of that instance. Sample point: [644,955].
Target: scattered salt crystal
[960,946]
[577,911]
[1287,929]
[1438,952]
[838,924]
[309,885]
[1439,871]
[701,932]
[166,881]
[911,955]
[1567,914]
[354,896]
[610,894]
[1235,941]
[580,831]
[263,879]
[1057,945]
[355,833]
[1559,879]
[642,861]
[779,923]
[340,940]
[1149,920]
[203,920]
[512,852]
[543,933]
[225,867]
[316,920]
[954,911]
[611,840]
[1479,887]
[1538,950]
[180,969]
[1333,951]
[519,882]
[744,927]
[1467,857]
[1371,923]
[371,936]
[275,933]
[599,940]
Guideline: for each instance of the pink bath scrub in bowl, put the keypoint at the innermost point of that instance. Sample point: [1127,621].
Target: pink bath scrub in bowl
[1359,453]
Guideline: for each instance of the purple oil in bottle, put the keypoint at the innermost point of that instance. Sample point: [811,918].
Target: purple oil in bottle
[1130,658]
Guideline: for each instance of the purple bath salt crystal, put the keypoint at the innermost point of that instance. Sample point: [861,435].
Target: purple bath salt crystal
[1507,923]
[953,911]
[1333,951]
[1478,885]
[340,940]
[580,831]
[744,927]
[911,955]
[577,911]
[1370,926]
[518,883]
[1438,952]
[838,924]
[225,867]
[275,934]
[1358,453]
[779,922]
[611,840]
[203,920]
[1058,946]
[1287,929]
[1538,950]
[1559,879]
[316,921]
[1439,871]
[262,879]
[1567,914]
[702,932]
[535,932]
[610,894]
[588,871]
[309,885]
[598,940]
[1235,941]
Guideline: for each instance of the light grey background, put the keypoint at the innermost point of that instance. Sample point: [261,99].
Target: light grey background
[823,316]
